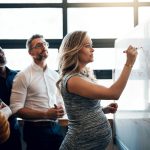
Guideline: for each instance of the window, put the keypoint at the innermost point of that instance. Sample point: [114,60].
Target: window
[22,23]
[104,58]
[105,21]
[144,14]
[31,1]
[93,1]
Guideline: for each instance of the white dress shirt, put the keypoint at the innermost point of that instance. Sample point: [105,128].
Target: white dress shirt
[35,88]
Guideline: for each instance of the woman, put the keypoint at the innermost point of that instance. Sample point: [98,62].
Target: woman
[88,127]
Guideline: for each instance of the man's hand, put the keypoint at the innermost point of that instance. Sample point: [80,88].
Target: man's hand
[5,109]
[55,112]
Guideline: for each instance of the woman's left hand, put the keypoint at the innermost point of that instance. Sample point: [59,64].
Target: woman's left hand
[111,108]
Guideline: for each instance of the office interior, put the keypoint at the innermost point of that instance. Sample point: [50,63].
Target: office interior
[112,25]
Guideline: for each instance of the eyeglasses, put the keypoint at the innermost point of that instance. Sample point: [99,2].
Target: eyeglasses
[40,45]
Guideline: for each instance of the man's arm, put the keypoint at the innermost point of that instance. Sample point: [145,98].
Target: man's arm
[30,114]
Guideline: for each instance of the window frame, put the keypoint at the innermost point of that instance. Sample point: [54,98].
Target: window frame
[55,43]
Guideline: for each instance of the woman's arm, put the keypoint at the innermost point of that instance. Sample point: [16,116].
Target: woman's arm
[82,87]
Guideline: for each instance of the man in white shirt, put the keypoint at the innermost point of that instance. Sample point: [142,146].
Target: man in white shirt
[35,99]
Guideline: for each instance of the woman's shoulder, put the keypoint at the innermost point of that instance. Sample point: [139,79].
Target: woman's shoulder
[68,76]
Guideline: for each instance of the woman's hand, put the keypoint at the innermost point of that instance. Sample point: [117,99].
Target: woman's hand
[111,108]
[131,55]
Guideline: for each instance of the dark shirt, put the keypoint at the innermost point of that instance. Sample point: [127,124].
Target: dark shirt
[6,85]
[14,141]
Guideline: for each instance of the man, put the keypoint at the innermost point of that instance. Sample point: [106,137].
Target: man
[36,100]
[6,78]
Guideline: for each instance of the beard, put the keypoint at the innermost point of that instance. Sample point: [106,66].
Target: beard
[41,56]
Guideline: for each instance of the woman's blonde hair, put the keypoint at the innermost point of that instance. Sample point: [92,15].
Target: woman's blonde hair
[68,53]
